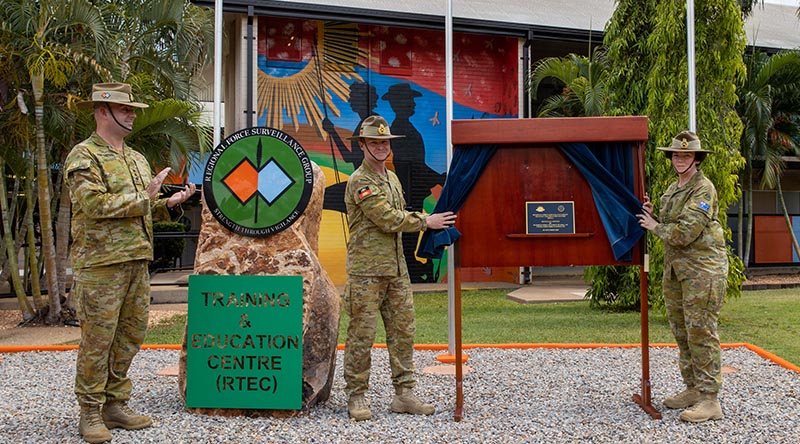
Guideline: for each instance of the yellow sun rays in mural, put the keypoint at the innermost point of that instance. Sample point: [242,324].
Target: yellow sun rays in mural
[310,91]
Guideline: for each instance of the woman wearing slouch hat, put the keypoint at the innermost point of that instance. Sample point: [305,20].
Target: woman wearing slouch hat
[695,276]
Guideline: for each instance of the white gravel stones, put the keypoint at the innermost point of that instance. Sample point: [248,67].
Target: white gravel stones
[512,396]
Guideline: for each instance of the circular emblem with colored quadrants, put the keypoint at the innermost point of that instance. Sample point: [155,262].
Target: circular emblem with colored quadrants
[258,181]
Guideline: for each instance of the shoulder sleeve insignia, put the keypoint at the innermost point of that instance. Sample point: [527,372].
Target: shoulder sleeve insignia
[704,205]
[364,192]
[78,164]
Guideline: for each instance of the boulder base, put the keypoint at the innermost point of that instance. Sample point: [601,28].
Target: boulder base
[291,252]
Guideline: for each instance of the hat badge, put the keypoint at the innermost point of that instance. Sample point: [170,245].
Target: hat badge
[105,95]
[684,143]
[382,130]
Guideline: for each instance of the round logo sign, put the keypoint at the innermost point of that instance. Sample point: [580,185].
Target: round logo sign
[258,181]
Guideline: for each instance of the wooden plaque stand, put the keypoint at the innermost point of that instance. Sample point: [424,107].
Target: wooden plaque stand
[529,166]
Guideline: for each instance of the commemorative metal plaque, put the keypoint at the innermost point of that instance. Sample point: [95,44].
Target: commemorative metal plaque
[550,217]
[258,181]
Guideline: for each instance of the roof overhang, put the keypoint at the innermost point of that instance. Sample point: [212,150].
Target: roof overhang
[771,27]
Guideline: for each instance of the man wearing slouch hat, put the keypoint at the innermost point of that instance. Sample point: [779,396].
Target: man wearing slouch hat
[377,275]
[114,195]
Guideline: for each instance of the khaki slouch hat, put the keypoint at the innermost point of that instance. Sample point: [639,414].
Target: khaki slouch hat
[119,93]
[686,141]
[374,127]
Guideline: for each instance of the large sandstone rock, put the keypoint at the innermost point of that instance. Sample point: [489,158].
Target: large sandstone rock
[292,252]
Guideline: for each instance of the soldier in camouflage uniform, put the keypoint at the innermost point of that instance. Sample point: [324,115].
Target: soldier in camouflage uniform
[114,195]
[377,277]
[695,276]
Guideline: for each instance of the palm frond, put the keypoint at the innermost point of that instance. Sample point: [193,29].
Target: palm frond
[552,68]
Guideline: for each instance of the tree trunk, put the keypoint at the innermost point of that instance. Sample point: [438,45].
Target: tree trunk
[788,220]
[45,215]
[8,239]
[33,259]
[62,243]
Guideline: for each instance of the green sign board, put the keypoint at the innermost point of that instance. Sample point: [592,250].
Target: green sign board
[244,342]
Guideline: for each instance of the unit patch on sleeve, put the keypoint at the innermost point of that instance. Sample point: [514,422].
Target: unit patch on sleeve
[364,192]
[704,205]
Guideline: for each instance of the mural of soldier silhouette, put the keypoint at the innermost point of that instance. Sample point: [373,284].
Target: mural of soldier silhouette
[414,173]
[363,99]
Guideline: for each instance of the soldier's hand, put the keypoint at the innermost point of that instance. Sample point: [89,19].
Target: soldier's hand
[181,195]
[437,221]
[647,221]
[155,185]
[647,206]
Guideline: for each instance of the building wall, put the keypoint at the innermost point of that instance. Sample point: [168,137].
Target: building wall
[297,94]
[771,242]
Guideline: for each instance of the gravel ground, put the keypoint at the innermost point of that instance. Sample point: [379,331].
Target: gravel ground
[512,396]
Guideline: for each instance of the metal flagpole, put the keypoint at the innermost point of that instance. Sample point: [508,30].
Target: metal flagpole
[690,56]
[217,70]
[449,146]
[453,273]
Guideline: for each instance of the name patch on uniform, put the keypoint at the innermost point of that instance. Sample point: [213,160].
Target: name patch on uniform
[704,206]
[364,192]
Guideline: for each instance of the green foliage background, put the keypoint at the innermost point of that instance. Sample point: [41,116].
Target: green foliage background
[646,42]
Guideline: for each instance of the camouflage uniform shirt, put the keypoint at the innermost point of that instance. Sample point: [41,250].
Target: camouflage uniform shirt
[694,244]
[377,216]
[112,218]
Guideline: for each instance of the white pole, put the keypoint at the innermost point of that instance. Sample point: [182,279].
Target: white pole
[690,56]
[217,71]
[451,288]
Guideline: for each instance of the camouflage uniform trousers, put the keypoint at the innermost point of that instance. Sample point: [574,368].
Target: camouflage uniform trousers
[693,307]
[112,304]
[364,297]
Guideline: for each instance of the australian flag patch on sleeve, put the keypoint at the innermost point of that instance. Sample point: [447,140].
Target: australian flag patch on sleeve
[704,205]
[364,192]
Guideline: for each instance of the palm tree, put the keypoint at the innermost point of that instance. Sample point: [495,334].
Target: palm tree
[583,81]
[769,106]
[160,47]
[42,40]
[62,47]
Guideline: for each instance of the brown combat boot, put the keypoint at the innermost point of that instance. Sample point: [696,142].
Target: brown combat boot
[91,425]
[684,399]
[707,408]
[405,401]
[358,407]
[118,414]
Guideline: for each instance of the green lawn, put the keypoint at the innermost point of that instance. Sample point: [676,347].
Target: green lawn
[769,319]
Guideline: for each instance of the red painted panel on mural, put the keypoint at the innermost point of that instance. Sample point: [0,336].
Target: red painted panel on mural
[284,39]
[422,51]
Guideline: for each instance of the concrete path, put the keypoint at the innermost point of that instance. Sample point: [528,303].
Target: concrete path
[550,289]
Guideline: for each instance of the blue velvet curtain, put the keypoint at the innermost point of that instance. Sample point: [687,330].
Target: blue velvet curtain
[607,167]
[465,168]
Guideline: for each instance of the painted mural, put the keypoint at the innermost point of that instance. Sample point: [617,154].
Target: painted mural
[318,80]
